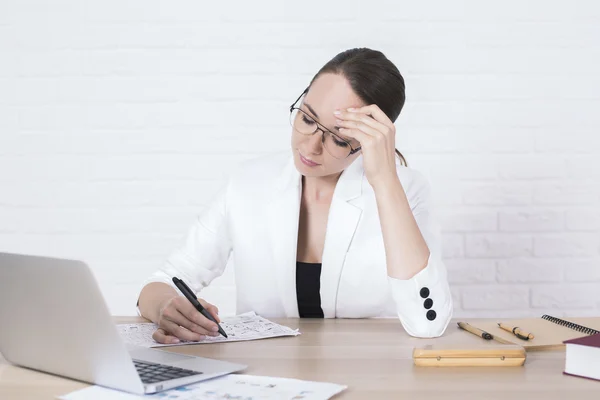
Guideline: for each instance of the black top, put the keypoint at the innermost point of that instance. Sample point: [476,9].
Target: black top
[308,286]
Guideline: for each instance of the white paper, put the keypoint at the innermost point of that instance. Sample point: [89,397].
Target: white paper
[244,387]
[248,326]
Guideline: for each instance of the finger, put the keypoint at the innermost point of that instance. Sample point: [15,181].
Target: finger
[203,328]
[212,309]
[176,315]
[357,134]
[216,314]
[163,337]
[360,126]
[193,320]
[180,332]
[361,117]
[374,111]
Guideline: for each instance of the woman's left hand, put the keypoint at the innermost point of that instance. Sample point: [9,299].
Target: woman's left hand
[376,134]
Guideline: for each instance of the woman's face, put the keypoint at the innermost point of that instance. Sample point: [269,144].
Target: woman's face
[328,93]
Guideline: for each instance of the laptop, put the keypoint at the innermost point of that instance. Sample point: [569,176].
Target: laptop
[54,319]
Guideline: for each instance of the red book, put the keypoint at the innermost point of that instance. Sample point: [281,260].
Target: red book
[583,357]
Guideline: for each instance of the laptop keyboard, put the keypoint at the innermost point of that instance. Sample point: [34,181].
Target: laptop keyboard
[152,373]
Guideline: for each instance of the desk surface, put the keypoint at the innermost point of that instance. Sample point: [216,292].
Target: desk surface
[372,357]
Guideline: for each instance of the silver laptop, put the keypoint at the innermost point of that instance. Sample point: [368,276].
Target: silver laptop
[55,320]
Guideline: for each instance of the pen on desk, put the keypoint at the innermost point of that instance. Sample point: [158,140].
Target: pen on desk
[475,331]
[187,292]
[518,332]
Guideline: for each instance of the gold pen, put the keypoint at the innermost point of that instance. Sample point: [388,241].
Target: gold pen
[475,331]
[518,332]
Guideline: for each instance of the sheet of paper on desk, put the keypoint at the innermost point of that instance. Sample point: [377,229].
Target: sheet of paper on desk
[248,326]
[247,387]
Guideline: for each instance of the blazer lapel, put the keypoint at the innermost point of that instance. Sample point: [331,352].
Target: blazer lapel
[344,215]
[283,219]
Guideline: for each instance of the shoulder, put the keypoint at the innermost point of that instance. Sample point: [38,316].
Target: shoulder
[269,164]
[262,168]
[259,174]
[415,184]
[411,178]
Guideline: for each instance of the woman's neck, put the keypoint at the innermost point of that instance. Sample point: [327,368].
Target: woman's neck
[319,189]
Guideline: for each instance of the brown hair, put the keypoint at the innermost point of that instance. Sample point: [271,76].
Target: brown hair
[374,79]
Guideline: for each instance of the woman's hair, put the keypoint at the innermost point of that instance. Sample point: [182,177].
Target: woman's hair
[374,79]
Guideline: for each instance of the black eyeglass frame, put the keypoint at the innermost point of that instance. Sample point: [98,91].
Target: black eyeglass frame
[320,126]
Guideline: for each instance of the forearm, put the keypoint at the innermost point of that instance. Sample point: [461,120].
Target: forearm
[405,248]
[152,296]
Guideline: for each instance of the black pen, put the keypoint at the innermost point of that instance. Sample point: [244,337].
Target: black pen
[187,292]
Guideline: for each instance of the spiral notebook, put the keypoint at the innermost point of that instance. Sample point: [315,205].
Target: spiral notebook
[549,332]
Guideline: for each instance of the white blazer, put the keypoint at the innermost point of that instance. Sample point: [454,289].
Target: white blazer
[254,219]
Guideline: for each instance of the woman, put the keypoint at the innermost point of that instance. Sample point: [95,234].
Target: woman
[339,228]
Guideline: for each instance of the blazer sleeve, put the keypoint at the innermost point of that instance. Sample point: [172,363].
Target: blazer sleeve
[424,302]
[204,252]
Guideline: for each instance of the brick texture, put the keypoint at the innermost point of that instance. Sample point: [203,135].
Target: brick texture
[120,119]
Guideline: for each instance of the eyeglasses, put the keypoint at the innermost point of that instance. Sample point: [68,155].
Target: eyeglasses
[305,124]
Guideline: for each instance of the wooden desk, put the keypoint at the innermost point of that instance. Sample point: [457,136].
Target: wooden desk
[372,357]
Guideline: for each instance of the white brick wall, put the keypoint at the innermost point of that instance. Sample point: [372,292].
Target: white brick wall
[120,119]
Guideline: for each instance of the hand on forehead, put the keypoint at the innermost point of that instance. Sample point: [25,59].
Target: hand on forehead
[329,93]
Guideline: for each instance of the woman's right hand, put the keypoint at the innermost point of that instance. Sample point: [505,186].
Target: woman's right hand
[179,320]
